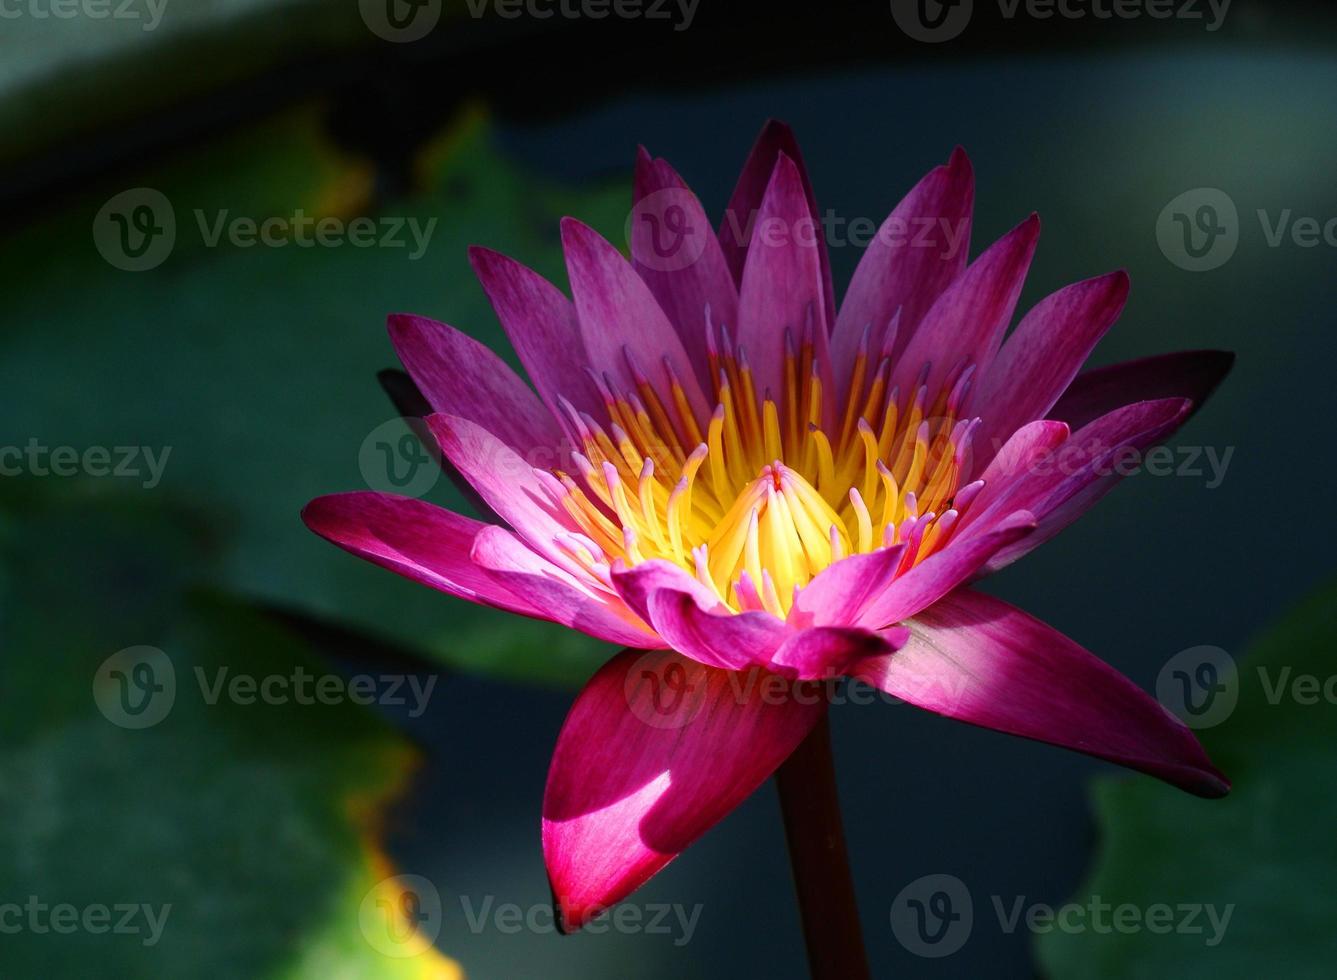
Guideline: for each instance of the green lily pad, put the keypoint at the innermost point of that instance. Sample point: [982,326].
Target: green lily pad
[1266,855]
[151,831]
[247,371]
[58,60]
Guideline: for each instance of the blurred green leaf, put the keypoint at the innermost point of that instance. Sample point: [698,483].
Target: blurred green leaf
[253,368]
[225,839]
[56,70]
[1267,850]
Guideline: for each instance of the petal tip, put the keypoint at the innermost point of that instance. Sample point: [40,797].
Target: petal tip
[958,164]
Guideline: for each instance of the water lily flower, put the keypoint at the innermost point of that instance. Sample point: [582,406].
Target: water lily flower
[752,491]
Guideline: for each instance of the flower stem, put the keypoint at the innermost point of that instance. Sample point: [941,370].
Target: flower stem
[811,808]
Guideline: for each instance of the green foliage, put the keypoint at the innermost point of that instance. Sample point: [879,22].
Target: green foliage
[1268,849]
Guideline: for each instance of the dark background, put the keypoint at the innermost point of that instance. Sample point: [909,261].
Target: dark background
[1095,124]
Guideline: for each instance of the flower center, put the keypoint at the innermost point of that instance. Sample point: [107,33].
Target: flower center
[774,490]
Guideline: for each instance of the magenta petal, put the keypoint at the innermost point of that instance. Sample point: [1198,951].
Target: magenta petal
[976,659]
[674,249]
[1086,467]
[692,619]
[621,324]
[940,573]
[782,286]
[968,320]
[635,585]
[415,539]
[1192,374]
[563,597]
[506,481]
[728,639]
[460,376]
[656,750]
[839,592]
[1017,461]
[824,652]
[775,139]
[920,248]
[1042,356]
[540,323]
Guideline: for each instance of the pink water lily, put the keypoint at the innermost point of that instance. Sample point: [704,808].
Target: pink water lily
[752,491]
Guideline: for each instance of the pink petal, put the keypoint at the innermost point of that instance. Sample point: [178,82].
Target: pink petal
[541,325]
[415,539]
[656,750]
[506,482]
[775,139]
[908,264]
[782,285]
[824,652]
[1042,356]
[839,592]
[620,320]
[730,640]
[977,659]
[1025,453]
[460,376]
[968,320]
[674,249]
[940,573]
[636,583]
[692,619]
[1064,486]
[1186,374]
[564,598]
